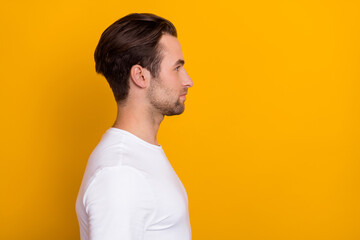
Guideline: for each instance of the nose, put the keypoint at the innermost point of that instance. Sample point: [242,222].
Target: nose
[188,81]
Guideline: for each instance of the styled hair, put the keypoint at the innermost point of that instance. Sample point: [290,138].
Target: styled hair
[133,39]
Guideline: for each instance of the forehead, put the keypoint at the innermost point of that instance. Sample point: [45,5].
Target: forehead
[171,49]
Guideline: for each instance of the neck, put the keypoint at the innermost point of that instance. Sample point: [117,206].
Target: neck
[139,121]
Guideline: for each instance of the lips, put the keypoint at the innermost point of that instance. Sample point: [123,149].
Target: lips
[184,93]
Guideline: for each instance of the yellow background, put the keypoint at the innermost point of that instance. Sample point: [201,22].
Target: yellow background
[268,146]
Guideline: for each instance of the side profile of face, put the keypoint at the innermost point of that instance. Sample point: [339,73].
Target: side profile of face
[167,92]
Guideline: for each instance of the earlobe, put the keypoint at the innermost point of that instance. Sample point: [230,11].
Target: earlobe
[137,75]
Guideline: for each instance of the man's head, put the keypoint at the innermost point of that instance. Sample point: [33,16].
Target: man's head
[138,44]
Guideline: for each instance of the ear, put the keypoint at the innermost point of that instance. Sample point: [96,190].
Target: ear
[139,75]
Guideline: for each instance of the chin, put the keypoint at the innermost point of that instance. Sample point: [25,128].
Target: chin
[175,111]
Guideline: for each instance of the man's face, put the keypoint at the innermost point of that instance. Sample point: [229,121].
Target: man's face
[167,92]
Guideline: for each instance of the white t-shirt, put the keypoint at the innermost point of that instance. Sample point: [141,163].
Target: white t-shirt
[131,192]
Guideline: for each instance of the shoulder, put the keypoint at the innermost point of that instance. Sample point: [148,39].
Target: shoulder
[118,185]
[117,176]
[118,203]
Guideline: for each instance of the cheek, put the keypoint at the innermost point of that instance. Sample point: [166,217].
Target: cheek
[173,80]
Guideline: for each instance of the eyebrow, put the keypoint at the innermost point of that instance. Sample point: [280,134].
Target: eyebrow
[180,61]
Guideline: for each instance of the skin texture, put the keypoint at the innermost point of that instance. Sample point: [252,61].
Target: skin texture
[150,99]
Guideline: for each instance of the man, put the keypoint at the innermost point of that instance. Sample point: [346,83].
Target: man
[129,190]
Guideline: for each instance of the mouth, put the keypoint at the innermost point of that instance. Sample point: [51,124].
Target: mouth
[184,93]
[183,96]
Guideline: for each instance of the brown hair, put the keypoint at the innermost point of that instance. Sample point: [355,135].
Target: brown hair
[130,40]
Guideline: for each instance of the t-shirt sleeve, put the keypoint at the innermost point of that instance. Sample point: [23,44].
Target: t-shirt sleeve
[119,203]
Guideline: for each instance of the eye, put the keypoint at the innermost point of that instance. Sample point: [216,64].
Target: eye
[177,68]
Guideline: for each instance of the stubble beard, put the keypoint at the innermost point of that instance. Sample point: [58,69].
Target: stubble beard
[157,94]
